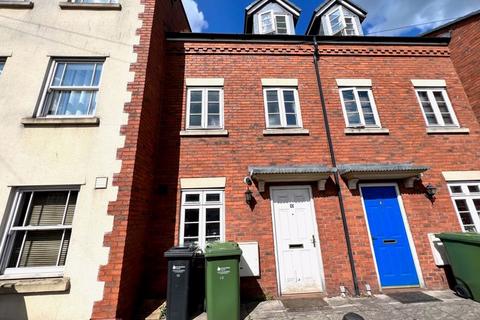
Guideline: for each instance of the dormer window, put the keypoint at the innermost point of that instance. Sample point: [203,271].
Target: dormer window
[273,23]
[342,25]
[271,17]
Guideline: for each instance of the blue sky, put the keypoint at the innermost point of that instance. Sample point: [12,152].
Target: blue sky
[226,16]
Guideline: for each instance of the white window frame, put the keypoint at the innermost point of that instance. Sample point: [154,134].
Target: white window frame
[355,28]
[202,205]
[204,123]
[272,17]
[469,197]
[359,107]
[287,23]
[6,245]
[435,107]
[281,106]
[43,109]
[342,20]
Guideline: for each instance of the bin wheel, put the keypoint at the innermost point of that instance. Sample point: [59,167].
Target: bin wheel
[463,291]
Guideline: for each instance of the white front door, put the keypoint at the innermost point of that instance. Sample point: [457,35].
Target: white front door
[297,243]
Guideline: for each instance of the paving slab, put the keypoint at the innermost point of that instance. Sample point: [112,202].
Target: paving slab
[380,307]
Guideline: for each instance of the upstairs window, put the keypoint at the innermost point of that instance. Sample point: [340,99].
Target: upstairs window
[466,199]
[359,108]
[205,108]
[273,23]
[202,218]
[340,24]
[2,64]
[71,89]
[436,107]
[282,108]
[38,231]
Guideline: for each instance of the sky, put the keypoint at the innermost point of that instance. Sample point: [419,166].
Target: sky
[417,16]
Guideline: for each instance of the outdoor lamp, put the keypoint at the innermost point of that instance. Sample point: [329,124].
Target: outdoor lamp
[431,191]
[248,196]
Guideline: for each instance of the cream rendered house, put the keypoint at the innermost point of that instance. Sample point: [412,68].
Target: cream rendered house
[64,71]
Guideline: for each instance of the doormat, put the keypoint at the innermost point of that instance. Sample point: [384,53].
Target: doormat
[304,304]
[412,297]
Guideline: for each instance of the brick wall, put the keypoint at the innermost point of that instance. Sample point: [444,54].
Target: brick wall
[124,271]
[465,51]
[243,66]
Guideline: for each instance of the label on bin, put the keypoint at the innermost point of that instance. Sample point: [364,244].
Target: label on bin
[178,269]
[223,270]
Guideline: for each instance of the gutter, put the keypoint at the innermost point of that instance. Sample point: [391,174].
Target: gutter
[336,174]
[304,39]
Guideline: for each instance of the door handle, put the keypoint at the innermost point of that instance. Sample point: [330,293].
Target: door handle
[314,242]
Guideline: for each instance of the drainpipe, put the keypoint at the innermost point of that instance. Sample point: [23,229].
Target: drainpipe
[336,176]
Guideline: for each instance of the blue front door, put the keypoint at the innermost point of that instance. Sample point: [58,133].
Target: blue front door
[389,237]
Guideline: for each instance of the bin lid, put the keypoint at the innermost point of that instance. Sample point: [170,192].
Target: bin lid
[180,252]
[460,236]
[222,249]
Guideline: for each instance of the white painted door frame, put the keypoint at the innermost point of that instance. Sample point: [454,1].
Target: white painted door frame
[315,230]
[416,261]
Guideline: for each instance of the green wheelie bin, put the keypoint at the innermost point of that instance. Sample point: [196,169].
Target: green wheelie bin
[463,252]
[222,280]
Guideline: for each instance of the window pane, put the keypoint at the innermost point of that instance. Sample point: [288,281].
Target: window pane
[447,118]
[274,120]
[190,241]
[461,204]
[22,208]
[213,197]
[351,106]
[195,96]
[476,202]
[273,107]
[192,197]
[64,250]
[192,215]
[195,120]
[213,107]
[423,96]
[213,96]
[290,107]
[214,121]
[466,218]
[41,248]
[272,95]
[456,189]
[212,214]
[195,108]
[291,120]
[348,95]
[289,96]
[267,23]
[78,74]
[47,208]
[369,119]
[212,229]
[353,118]
[72,201]
[98,72]
[473,188]
[2,64]
[191,230]
[57,79]
[470,228]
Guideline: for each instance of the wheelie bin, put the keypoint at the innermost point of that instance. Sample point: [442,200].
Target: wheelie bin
[463,252]
[223,280]
[179,288]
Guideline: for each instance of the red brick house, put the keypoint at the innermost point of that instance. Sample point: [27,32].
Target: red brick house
[465,52]
[249,108]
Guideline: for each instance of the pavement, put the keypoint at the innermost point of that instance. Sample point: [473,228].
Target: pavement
[379,307]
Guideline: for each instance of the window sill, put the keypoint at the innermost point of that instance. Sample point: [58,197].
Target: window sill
[353,131]
[286,131]
[90,6]
[447,130]
[13,286]
[199,133]
[60,122]
[16,4]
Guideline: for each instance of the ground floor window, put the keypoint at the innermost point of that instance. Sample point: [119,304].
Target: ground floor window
[202,217]
[466,199]
[38,231]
